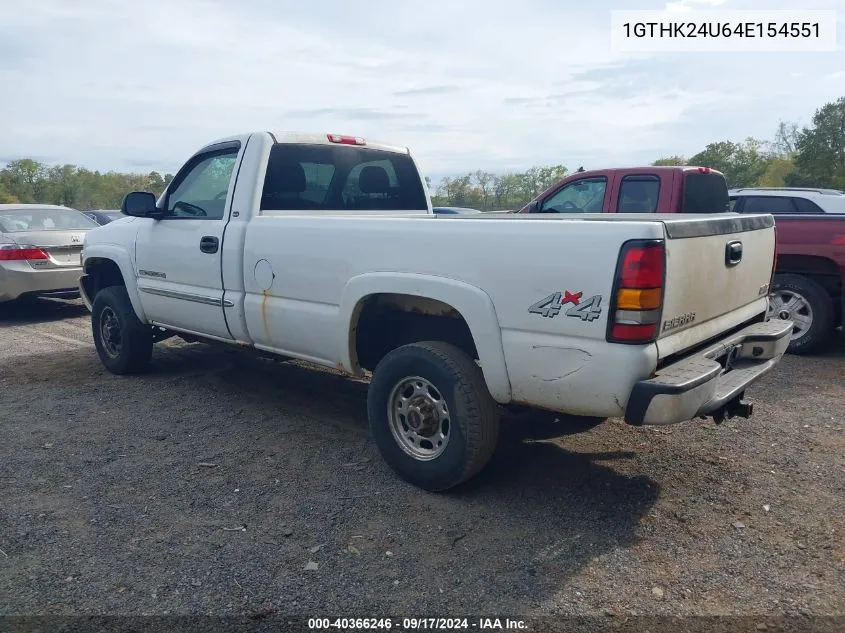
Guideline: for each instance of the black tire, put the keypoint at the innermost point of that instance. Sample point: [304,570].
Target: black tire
[473,415]
[134,347]
[821,327]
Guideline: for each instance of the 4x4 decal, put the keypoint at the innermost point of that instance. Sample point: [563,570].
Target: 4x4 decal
[550,306]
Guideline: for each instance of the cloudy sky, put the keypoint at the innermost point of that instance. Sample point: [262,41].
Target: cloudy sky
[467,84]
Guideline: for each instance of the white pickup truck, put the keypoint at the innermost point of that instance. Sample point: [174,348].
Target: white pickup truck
[325,248]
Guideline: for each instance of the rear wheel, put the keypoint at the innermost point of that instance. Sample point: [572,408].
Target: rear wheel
[808,305]
[431,414]
[124,344]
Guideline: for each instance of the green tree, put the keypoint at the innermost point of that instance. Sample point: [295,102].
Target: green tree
[670,161]
[484,181]
[820,149]
[25,179]
[742,163]
[786,138]
[457,191]
[5,196]
[549,176]
[28,181]
[777,172]
[504,189]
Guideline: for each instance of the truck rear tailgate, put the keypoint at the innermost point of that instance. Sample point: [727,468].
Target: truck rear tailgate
[718,269]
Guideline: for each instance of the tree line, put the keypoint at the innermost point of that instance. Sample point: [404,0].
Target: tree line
[30,181]
[808,156]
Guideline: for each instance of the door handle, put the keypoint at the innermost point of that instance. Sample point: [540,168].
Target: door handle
[209,244]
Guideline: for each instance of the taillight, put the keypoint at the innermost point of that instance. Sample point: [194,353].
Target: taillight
[346,140]
[16,253]
[637,300]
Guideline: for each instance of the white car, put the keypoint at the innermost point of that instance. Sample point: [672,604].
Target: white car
[325,248]
[786,200]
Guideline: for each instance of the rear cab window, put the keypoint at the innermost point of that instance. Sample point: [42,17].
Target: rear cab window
[303,177]
[705,193]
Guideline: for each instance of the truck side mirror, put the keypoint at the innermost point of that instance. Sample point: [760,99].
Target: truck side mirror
[140,204]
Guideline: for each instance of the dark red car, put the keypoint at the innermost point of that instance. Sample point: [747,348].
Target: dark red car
[810,273]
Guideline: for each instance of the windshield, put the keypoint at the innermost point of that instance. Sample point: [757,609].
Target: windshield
[35,219]
[705,193]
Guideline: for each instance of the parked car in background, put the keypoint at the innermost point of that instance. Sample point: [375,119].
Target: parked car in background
[810,274]
[787,200]
[454,210]
[40,248]
[252,245]
[104,216]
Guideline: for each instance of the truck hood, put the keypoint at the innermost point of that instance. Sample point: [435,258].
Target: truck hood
[113,232]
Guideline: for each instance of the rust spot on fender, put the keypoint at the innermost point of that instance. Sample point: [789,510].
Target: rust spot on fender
[264,313]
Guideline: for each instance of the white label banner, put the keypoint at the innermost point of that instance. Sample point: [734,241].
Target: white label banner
[756,31]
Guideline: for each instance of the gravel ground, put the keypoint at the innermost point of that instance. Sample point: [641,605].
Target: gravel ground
[215,483]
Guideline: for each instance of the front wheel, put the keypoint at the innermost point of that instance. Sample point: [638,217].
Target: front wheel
[124,344]
[808,305]
[431,415]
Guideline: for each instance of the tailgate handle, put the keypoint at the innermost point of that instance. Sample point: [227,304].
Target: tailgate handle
[733,253]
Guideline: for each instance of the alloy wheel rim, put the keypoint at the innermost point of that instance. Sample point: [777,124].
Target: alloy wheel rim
[792,306]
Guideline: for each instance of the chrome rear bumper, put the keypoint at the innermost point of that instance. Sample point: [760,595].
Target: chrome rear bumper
[710,382]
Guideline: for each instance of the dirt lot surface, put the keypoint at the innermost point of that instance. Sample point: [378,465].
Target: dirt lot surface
[211,485]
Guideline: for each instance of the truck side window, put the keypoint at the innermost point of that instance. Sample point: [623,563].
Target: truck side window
[201,193]
[581,196]
[768,204]
[638,194]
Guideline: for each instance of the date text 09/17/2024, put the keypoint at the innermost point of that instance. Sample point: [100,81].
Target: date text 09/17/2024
[416,624]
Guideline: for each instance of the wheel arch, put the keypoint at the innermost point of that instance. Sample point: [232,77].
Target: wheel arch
[428,294]
[108,266]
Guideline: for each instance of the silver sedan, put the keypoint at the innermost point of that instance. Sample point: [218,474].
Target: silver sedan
[39,250]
